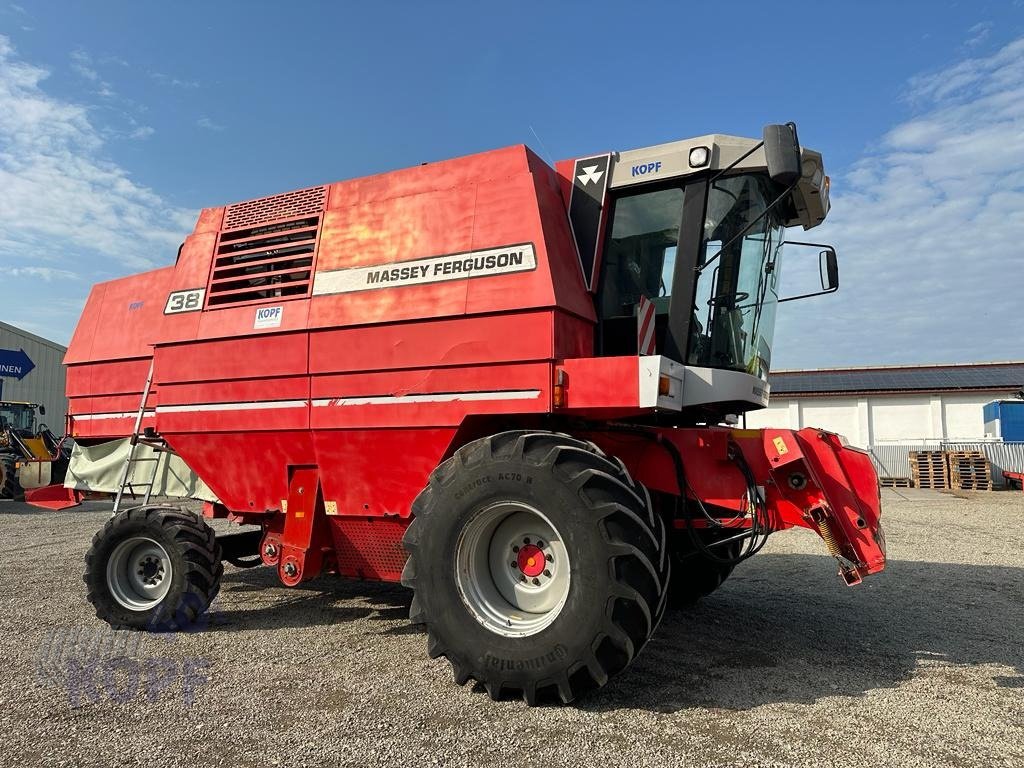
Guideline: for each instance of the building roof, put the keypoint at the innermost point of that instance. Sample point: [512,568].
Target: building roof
[973,377]
[38,339]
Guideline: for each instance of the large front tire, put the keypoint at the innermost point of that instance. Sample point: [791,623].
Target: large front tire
[538,565]
[156,568]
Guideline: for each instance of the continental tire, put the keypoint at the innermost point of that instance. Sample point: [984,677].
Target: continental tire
[9,486]
[539,567]
[156,568]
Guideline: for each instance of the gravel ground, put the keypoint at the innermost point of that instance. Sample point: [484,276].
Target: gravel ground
[919,666]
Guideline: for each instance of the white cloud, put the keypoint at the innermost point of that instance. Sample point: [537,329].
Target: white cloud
[81,63]
[929,230]
[208,124]
[48,274]
[142,132]
[977,34]
[65,208]
[174,82]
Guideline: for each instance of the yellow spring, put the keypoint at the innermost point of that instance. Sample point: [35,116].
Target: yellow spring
[830,540]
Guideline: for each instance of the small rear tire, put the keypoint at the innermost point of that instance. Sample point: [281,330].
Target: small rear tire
[156,568]
[538,565]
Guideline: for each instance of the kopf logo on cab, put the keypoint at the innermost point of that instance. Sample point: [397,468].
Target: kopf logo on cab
[645,168]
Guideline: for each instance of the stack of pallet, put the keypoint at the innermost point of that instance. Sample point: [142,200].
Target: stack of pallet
[969,470]
[929,469]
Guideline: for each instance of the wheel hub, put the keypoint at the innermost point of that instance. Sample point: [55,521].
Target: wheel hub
[139,573]
[530,561]
[512,569]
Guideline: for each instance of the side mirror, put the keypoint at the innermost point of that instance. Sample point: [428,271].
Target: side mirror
[828,270]
[782,153]
[42,410]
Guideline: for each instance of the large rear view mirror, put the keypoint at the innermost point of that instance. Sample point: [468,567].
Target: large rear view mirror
[828,270]
[782,153]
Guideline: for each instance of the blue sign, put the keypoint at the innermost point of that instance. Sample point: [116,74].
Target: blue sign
[15,365]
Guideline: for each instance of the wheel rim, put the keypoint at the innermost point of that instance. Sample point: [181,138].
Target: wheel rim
[512,569]
[139,573]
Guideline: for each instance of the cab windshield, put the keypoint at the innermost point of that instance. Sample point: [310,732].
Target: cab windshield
[16,416]
[737,288]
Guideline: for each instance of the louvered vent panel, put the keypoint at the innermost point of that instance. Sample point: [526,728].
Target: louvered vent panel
[289,205]
[274,261]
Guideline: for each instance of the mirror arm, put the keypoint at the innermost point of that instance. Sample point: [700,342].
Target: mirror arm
[807,295]
[822,292]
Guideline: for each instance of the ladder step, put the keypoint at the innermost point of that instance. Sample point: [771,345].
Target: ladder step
[159,447]
[142,436]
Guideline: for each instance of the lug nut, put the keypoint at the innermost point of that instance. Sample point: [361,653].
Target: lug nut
[536,582]
[515,547]
[540,543]
[547,573]
[269,550]
[526,540]
[514,564]
[289,569]
[549,558]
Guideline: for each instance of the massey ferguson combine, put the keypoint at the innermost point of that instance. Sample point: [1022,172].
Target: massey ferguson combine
[513,388]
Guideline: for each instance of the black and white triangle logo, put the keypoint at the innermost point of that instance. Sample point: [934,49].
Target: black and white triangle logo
[590,174]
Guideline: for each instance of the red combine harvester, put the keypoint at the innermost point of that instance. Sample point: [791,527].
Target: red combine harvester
[512,388]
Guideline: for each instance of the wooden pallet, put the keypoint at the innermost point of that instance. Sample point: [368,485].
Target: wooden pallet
[895,482]
[929,469]
[969,470]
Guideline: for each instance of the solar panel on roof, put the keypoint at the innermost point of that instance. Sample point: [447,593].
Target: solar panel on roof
[1004,377]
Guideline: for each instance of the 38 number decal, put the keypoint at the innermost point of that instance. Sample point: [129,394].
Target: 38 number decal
[185,301]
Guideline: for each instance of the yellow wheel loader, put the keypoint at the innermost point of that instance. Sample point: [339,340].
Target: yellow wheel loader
[31,456]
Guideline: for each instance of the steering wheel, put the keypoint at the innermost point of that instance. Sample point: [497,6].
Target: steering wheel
[726,298]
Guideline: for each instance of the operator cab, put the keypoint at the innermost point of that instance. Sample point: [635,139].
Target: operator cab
[19,417]
[699,234]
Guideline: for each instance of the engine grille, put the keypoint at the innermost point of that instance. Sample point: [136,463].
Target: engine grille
[260,263]
[290,205]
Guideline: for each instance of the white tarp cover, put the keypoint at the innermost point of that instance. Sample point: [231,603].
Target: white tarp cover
[99,467]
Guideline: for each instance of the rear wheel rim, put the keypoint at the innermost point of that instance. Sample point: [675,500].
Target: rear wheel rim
[512,569]
[139,573]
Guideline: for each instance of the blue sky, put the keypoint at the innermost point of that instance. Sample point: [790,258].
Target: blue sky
[119,120]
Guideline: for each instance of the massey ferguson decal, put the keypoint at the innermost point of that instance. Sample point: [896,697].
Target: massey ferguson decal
[589,184]
[433,269]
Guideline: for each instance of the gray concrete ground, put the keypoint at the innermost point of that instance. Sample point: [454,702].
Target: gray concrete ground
[920,666]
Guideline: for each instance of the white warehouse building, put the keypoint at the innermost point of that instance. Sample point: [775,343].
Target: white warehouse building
[922,404]
[32,370]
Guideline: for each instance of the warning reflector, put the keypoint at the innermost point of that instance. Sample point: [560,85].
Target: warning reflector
[645,326]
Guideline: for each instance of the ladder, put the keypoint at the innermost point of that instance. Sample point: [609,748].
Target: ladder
[138,438]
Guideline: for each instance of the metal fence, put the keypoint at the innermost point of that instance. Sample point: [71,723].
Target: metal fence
[893,459]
